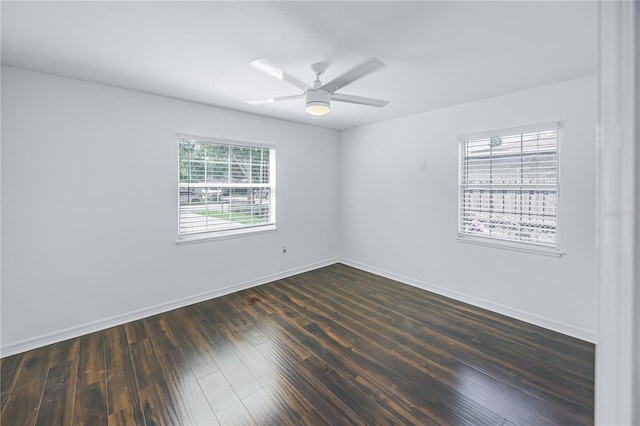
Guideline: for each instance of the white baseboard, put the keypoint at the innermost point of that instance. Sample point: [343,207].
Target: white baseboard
[560,327]
[102,324]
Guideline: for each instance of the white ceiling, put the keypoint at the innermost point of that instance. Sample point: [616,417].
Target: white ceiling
[437,53]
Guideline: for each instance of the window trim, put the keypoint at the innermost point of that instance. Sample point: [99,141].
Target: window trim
[520,246]
[511,245]
[203,237]
[200,237]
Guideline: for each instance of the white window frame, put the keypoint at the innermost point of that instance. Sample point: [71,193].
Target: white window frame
[212,235]
[523,246]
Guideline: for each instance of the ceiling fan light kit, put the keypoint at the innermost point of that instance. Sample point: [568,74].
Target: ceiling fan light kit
[318,97]
[317,101]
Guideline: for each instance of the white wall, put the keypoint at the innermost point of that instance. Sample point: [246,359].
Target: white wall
[82,243]
[399,221]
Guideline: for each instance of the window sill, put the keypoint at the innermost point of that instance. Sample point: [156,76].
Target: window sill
[508,245]
[224,235]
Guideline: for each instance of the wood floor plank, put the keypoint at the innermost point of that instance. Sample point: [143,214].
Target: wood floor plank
[33,367]
[91,365]
[263,410]
[131,415]
[23,402]
[228,314]
[135,331]
[58,396]
[23,405]
[238,375]
[123,400]
[334,345]
[226,405]
[8,376]
[192,343]
[163,338]
[314,418]
[158,404]
[191,402]
[90,408]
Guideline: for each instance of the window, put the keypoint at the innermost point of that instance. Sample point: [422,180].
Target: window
[508,188]
[225,188]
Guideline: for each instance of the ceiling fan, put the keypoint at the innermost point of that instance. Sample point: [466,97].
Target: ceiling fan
[318,96]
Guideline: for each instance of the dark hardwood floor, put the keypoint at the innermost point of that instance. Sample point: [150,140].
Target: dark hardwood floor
[331,346]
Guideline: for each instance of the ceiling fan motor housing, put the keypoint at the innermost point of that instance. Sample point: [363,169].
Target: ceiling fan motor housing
[317,100]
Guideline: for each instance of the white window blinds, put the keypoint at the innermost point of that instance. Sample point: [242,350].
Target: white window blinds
[225,187]
[508,186]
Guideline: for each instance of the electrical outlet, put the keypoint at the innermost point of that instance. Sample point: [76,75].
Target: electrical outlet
[284,249]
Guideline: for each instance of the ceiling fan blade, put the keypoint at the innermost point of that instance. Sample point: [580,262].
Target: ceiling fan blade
[369,66]
[340,97]
[272,70]
[272,100]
